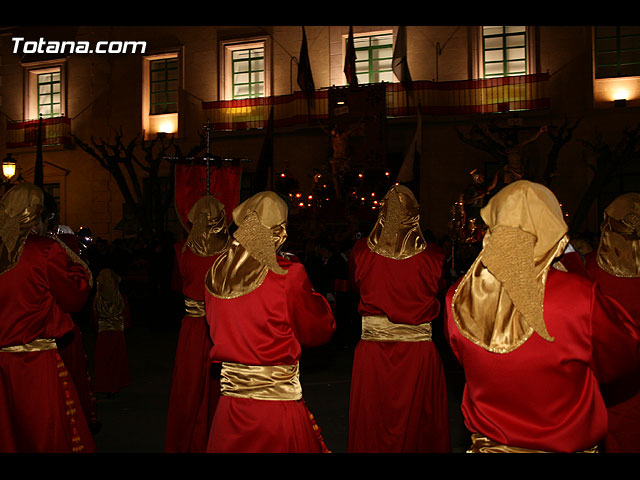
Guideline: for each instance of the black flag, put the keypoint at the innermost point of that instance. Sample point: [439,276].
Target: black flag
[305,78]
[38,174]
[350,60]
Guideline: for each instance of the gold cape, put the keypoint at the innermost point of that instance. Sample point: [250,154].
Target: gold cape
[20,209]
[396,233]
[209,233]
[498,304]
[619,249]
[242,268]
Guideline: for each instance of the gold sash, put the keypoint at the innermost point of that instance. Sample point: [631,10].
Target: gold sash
[38,345]
[193,308]
[276,382]
[113,324]
[482,444]
[379,329]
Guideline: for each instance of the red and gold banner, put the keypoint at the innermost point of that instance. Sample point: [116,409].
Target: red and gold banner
[464,97]
[191,185]
[55,131]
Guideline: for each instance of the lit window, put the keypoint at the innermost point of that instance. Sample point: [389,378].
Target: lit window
[163,77]
[245,69]
[248,73]
[374,56]
[617,51]
[49,94]
[504,51]
[160,94]
[44,90]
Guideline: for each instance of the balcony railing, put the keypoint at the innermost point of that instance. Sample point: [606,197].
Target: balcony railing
[495,95]
[55,131]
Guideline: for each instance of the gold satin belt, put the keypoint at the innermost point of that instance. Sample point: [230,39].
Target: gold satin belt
[193,308]
[276,382]
[38,345]
[113,324]
[378,328]
[482,444]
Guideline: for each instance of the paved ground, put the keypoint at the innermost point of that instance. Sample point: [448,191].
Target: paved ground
[134,421]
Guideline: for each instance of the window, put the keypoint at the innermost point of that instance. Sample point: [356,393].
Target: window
[161,83]
[163,86]
[504,51]
[374,56]
[617,51]
[248,73]
[44,90]
[245,71]
[49,94]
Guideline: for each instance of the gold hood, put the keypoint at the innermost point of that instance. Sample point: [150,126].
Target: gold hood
[209,233]
[20,209]
[262,230]
[619,248]
[109,302]
[397,233]
[499,302]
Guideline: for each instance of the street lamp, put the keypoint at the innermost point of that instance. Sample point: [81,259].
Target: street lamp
[8,167]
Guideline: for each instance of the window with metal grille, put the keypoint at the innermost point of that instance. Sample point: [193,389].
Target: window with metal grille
[504,51]
[164,86]
[49,94]
[617,51]
[248,69]
[374,56]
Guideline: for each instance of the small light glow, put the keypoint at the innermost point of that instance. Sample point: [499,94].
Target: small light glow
[621,94]
[387,173]
[301,204]
[362,199]
[8,169]
[360,175]
[283,174]
[298,195]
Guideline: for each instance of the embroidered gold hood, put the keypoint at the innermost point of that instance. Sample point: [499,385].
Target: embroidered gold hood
[397,233]
[262,230]
[499,302]
[209,233]
[109,302]
[20,210]
[619,248]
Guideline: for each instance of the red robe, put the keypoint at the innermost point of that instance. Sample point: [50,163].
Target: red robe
[71,349]
[545,395]
[39,407]
[267,326]
[623,396]
[398,399]
[195,382]
[110,359]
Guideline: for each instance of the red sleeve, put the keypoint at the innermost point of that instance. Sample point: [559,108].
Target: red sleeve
[310,312]
[616,338]
[69,281]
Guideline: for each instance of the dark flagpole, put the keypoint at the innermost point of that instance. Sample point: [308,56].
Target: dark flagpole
[38,175]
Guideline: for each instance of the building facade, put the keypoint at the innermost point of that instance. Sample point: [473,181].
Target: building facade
[101,85]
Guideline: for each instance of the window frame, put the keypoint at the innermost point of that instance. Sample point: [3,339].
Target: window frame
[370,60]
[166,90]
[504,35]
[619,51]
[160,123]
[227,48]
[31,87]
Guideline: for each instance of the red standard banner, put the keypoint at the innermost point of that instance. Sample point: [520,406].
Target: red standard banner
[191,185]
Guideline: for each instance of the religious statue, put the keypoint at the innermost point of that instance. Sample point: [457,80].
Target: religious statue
[514,169]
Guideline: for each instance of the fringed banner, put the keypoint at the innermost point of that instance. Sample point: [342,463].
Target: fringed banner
[191,185]
[55,131]
[464,97]
[288,110]
[493,95]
